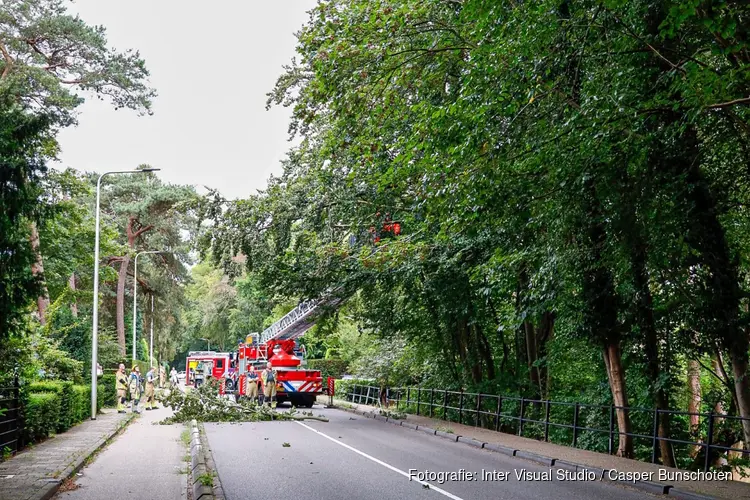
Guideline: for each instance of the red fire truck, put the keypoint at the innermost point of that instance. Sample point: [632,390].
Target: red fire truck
[218,366]
[295,384]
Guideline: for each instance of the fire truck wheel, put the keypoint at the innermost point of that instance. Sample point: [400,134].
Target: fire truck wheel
[228,385]
[307,401]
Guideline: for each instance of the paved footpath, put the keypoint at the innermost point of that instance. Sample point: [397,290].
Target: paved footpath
[36,473]
[144,462]
[714,489]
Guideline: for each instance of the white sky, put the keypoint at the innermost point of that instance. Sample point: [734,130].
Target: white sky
[212,63]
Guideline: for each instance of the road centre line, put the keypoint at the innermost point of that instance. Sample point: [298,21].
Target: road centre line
[387,466]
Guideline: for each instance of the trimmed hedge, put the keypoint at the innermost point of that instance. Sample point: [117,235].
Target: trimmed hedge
[335,368]
[41,415]
[105,390]
[54,407]
[64,390]
[81,402]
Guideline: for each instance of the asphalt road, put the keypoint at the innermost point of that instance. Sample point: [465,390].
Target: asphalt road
[356,457]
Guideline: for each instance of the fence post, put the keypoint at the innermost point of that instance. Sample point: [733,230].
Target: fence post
[497,413]
[445,405]
[387,397]
[575,425]
[367,398]
[611,444]
[19,415]
[408,397]
[520,418]
[419,396]
[654,436]
[479,409]
[709,441]
[461,408]
[398,398]
[432,400]
[546,421]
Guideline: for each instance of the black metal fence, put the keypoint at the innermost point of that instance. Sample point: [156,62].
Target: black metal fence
[10,419]
[587,426]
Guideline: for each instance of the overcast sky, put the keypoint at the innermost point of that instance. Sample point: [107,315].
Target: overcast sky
[212,63]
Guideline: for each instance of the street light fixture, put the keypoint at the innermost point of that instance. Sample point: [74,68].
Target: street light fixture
[95,328]
[135,289]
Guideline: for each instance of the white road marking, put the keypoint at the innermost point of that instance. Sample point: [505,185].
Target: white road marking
[387,466]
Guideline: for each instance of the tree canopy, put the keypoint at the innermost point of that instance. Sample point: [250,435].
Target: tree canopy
[565,175]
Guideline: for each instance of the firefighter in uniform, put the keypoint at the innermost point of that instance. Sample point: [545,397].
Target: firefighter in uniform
[134,384]
[269,378]
[251,384]
[162,376]
[150,393]
[121,386]
[173,380]
[198,374]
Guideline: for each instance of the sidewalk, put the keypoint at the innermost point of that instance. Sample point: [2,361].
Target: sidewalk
[147,461]
[37,472]
[718,489]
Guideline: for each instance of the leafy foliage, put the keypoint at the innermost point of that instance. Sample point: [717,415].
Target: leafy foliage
[22,157]
[47,53]
[206,405]
[569,182]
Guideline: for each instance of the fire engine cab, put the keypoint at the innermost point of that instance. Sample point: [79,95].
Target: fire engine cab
[215,364]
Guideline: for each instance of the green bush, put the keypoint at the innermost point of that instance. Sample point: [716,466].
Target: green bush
[81,402]
[335,368]
[105,390]
[66,417]
[41,415]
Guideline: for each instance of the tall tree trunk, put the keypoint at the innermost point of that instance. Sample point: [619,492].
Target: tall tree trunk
[485,350]
[694,403]
[616,377]
[545,332]
[531,357]
[37,269]
[645,318]
[74,301]
[709,237]
[132,235]
[120,305]
[739,361]
[601,311]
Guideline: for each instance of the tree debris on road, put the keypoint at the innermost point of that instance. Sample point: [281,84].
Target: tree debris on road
[206,405]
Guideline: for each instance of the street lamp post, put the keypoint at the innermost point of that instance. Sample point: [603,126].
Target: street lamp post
[95,328]
[135,290]
[151,341]
[209,344]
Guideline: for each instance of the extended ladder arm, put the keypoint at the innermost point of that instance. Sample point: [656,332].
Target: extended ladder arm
[297,321]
